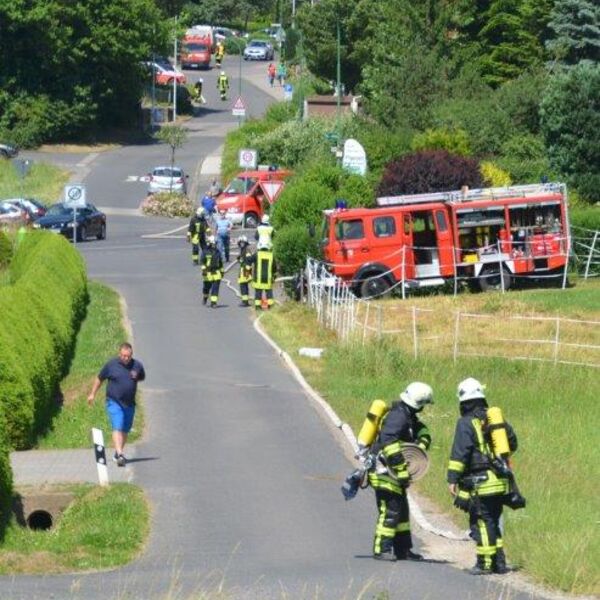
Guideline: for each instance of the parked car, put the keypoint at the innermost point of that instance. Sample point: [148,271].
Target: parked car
[34,208]
[59,219]
[12,215]
[8,151]
[167,179]
[222,33]
[165,75]
[259,50]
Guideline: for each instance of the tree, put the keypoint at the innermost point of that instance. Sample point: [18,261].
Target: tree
[576,31]
[570,123]
[175,136]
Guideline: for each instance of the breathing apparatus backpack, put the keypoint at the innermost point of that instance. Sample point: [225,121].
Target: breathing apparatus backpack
[495,431]
[366,436]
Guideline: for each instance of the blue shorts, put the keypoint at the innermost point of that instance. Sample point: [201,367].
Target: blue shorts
[121,417]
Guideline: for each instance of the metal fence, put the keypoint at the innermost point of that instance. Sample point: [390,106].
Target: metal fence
[446,332]
[586,251]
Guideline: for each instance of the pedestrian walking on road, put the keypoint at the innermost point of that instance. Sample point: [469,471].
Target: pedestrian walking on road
[198,229]
[215,188]
[245,259]
[223,231]
[212,272]
[123,374]
[281,73]
[271,72]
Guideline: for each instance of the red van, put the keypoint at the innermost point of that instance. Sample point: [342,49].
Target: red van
[195,52]
[244,199]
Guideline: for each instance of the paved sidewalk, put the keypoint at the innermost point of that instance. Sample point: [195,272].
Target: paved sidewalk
[44,467]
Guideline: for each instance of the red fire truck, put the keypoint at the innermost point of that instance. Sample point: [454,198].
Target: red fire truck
[487,236]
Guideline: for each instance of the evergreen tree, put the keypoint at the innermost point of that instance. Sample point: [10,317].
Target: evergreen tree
[576,31]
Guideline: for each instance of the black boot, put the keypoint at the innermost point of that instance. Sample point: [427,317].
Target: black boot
[499,565]
[204,300]
[408,555]
[389,556]
[480,568]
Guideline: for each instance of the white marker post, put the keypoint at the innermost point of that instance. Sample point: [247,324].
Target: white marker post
[100,453]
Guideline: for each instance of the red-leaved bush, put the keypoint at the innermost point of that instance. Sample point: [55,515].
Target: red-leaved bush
[429,171]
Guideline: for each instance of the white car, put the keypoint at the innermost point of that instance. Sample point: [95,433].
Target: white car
[259,50]
[167,179]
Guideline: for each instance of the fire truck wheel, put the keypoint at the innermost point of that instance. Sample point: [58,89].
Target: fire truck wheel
[375,287]
[251,220]
[490,279]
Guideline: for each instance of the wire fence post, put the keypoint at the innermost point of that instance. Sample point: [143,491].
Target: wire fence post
[556,340]
[364,337]
[589,258]
[500,267]
[403,274]
[414,324]
[564,282]
[454,270]
[379,322]
[456,331]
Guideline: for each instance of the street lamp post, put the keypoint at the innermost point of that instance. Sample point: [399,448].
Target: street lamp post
[338,92]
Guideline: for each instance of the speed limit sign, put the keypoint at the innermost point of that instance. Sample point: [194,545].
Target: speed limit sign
[248,158]
[75,195]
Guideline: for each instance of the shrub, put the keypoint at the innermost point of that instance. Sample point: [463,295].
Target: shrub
[455,141]
[167,205]
[587,218]
[234,45]
[524,157]
[6,250]
[301,202]
[42,309]
[6,480]
[429,171]
[292,245]
[280,112]
[493,175]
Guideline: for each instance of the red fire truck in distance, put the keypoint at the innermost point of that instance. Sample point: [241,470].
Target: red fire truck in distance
[425,240]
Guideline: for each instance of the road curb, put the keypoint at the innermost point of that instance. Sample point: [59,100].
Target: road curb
[416,511]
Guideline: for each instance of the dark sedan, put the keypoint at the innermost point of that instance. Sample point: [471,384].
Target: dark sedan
[59,219]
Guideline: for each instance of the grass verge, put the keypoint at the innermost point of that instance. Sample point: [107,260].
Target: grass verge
[552,408]
[98,339]
[44,181]
[103,528]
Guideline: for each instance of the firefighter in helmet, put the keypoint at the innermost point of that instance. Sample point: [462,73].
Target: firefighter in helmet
[198,229]
[475,484]
[212,272]
[263,275]
[223,85]
[245,259]
[264,233]
[389,476]
[219,53]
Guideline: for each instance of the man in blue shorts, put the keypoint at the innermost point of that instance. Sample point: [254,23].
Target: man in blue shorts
[123,374]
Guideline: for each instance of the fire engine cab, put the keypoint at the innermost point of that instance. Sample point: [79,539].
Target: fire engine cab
[486,236]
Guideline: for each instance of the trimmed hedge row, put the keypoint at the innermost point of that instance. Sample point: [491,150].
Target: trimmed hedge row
[41,311]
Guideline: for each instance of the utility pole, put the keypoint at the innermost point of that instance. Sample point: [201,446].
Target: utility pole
[175,78]
[152,113]
[338,92]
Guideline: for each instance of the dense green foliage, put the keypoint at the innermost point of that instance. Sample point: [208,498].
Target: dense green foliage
[6,479]
[6,250]
[570,113]
[67,67]
[291,247]
[42,308]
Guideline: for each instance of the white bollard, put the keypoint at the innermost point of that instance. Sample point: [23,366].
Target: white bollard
[100,452]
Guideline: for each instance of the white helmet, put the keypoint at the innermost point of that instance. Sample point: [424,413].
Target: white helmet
[417,395]
[200,211]
[470,389]
[242,240]
[265,220]
[222,72]
[210,240]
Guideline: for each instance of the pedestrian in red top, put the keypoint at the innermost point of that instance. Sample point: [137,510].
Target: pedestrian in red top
[271,74]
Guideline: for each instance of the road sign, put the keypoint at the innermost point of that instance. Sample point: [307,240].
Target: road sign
[75,195]
[354,157]
[248,158]
[272,189]
[288,91]
[239,108]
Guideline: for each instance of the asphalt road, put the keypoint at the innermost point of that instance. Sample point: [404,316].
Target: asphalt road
[241,471]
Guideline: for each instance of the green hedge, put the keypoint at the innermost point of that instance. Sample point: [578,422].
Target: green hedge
[5,476]
[588,218]
[41,308]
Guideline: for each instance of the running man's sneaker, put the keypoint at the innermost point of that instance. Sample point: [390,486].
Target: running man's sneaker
[121,460]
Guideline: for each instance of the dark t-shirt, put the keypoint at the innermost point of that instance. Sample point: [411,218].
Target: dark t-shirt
[121,387]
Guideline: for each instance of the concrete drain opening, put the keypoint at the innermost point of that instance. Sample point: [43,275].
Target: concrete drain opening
[40,510]
[39,520]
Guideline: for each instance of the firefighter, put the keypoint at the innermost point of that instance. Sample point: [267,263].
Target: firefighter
[223,85]
[264,233]
[198,229]
[197,91]
[473,481]
[245,259]
[389,476]
[263,275]
[212,272]
[219,54]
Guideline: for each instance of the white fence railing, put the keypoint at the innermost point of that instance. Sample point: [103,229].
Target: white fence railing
[586,252]
[450,333]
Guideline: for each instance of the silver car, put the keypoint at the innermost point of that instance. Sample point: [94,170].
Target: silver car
[167,179]
[259,50]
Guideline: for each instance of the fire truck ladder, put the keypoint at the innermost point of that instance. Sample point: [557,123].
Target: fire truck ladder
[467,195]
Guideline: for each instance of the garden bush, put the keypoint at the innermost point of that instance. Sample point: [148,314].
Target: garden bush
[6,250]
[301,202]
[494,176]
[164,204]
[587,218]
[292,245]
[455,141]
[6,481]
[429,171]
[42,308]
